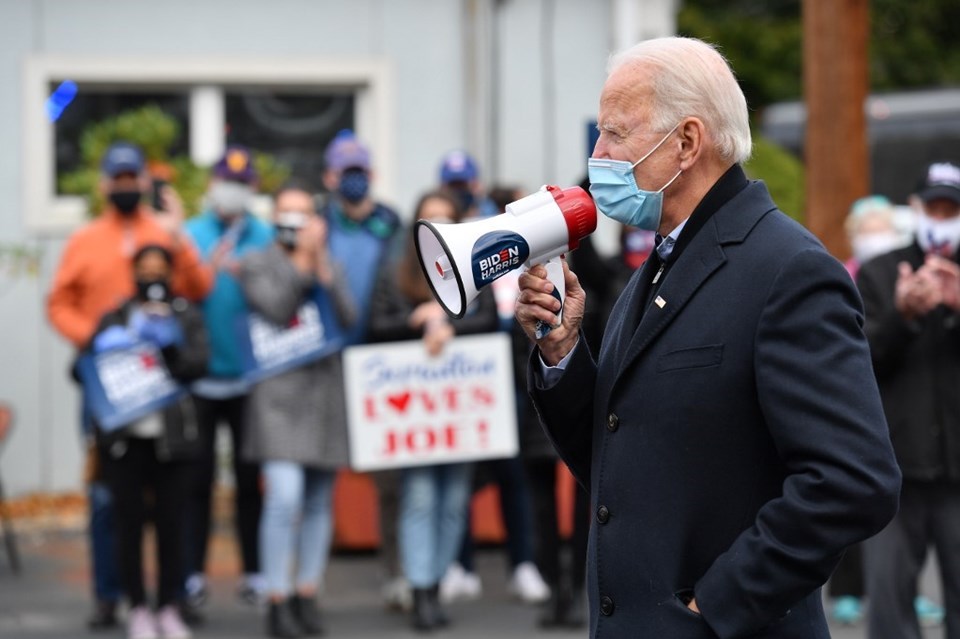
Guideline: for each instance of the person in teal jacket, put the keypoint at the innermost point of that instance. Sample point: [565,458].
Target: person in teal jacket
[224,233]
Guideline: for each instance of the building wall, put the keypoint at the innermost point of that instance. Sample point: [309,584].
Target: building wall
[425,43]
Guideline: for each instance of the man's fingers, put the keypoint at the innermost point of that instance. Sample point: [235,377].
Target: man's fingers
[535,279]
[545,300]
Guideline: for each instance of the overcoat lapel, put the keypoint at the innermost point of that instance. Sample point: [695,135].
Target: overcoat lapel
[693,267]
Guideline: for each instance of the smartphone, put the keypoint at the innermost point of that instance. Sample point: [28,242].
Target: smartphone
[156,195]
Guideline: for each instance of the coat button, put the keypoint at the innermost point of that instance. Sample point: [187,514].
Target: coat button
[613,422]
[603,514]
[606,606]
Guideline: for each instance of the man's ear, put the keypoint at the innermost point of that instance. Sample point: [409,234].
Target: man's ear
[692,136]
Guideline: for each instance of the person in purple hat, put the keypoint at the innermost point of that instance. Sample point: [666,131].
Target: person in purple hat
[361,234]
[224,233]
[911,299]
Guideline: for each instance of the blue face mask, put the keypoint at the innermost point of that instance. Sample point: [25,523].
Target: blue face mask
[354,185]
[616,194]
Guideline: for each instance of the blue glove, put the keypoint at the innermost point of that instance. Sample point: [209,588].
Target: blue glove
[161,331]
[113,338]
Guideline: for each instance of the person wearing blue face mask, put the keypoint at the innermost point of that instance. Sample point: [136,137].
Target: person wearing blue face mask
[730,431]
[361,233]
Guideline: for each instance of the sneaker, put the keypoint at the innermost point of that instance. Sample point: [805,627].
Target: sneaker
[397,595]
[528,585]
[929,612]
[195,591]
[847,610]
[141,624]
[170,624]
[253,590]
[459,585]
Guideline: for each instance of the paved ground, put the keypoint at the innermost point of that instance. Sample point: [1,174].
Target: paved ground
[49,599]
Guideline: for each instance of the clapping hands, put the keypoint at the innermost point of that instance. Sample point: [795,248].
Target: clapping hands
[936,282]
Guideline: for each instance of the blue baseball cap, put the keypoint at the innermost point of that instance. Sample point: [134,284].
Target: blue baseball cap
[122,157]
[458,166]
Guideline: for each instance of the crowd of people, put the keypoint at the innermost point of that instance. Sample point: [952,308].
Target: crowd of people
[143,275]
[734,515]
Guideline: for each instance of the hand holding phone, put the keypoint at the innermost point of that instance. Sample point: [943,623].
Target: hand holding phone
[156,195]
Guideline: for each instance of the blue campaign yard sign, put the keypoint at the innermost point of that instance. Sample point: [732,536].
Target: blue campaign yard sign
[267,349]
[124,385]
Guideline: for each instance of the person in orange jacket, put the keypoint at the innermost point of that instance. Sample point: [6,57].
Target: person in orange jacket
[95,275]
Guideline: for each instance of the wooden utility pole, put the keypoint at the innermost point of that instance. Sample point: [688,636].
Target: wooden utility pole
[835,86]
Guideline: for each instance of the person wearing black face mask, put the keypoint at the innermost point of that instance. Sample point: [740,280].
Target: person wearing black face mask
[152,453]
[94,272]
[460,176]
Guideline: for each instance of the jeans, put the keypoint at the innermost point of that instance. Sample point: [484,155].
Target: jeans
[433,514]
[295,493]
[106,578]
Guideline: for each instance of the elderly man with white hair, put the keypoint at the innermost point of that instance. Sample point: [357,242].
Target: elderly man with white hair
[730,431]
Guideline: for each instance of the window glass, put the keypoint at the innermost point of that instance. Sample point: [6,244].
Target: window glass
[93,105]
[295,127]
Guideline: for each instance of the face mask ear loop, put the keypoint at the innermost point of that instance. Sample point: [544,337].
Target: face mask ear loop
[650,152]
[670,182]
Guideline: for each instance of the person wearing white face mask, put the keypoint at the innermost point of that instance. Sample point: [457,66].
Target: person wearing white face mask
[871,230]
[911,301]
[224,233]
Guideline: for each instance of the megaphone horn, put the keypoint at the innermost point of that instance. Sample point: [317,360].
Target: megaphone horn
[458,260]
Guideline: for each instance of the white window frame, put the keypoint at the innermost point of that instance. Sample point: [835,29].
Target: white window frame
[370,78]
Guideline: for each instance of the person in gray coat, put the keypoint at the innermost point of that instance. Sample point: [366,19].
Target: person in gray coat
[297,419]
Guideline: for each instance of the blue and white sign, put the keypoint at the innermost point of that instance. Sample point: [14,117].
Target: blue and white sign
[268,349]
[124,385]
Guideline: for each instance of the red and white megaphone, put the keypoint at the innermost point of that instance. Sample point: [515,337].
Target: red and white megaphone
[460,259]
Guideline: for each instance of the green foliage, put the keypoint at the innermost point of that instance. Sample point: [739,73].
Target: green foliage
[782,172]
[155,132]
[763,41]
[19,259]
[912,44]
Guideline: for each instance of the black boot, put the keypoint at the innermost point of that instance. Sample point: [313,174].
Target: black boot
[424,614]
[575,615]
[307,612]
[281,621]
[552,613]
[104,615]
[439,614]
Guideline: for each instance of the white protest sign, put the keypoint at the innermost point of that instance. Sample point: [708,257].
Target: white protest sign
[405,408]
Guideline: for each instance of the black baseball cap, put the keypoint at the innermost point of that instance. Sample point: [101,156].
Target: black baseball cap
[941,181]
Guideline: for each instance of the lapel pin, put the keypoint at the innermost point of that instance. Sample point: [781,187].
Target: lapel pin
[660,302]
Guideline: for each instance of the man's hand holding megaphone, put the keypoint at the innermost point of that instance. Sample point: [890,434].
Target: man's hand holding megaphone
[536,302]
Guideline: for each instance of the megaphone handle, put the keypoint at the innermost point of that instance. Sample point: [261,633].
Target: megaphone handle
[555,274]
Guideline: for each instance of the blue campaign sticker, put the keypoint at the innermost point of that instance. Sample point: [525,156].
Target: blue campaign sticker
[124,385]
[495,254]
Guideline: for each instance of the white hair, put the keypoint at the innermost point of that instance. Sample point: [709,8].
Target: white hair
[691,78]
